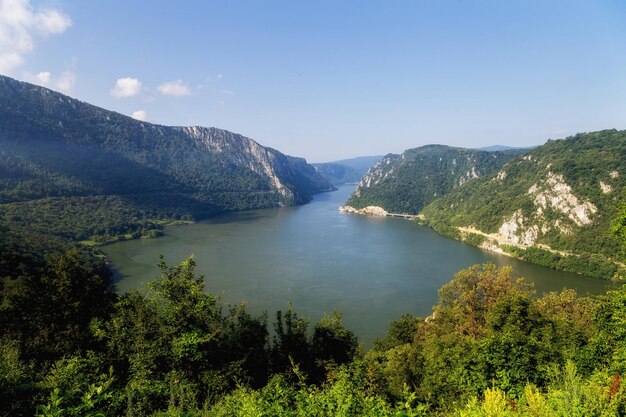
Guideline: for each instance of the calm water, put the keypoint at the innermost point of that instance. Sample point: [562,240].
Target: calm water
[370,269]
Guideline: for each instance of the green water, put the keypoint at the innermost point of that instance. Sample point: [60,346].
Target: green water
[370,269]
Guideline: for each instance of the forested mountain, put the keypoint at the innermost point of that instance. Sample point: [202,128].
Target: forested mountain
[408,182]
[80,172]
[346,171]
[556,206]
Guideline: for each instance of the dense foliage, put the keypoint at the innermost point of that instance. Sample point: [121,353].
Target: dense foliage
[71,346]
[592,165]
[72,170]
[491,347]
[407,183]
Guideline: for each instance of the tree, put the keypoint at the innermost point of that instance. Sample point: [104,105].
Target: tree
[332,344]
[290,343]
[49,313]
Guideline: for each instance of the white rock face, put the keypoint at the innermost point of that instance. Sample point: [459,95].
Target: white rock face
[606,188]
[554,192]
[509,228]
[249,153]
[375,174]
[369,210]
[512,230]
[614,174]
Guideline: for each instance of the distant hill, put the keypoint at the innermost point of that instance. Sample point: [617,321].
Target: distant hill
[360,162]
[346,171]
[79,172]
[554,206]
[406,183]
[503,148]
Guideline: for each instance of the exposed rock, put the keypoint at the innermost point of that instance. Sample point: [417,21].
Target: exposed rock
[606,188]
[513,230]
[242,151]
[554,192]
[368,211]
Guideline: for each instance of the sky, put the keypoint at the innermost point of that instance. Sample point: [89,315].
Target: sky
[329,80]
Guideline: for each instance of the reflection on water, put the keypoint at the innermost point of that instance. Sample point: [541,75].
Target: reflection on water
[370,269]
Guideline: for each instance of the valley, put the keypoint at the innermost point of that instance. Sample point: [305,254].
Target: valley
[321,260]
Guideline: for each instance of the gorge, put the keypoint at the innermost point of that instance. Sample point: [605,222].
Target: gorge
[371,269]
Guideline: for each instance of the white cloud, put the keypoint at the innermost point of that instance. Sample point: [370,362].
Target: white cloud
[140,115]
[228,92]
[20,24]
[174,88]
[43,78]
[126,87]
[63,82]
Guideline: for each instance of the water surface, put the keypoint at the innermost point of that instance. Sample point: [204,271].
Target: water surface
[370,269]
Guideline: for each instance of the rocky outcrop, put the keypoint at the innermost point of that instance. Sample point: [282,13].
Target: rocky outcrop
[291,177]
[555,193]
[367,211]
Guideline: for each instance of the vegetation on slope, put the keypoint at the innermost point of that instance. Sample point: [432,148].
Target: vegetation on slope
[560,202]
[407,183]
[80,172]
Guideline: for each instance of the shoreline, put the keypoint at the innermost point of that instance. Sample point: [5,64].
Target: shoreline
[492,242]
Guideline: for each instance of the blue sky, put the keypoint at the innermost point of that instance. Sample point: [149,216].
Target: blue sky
[334,79]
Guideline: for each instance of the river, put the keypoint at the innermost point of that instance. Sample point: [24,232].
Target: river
[372,270]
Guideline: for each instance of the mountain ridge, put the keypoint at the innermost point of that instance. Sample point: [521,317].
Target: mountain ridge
[555,206]
[407,182]
[56,147]
[346,171]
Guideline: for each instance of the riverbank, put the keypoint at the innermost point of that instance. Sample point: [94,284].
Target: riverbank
[540,254]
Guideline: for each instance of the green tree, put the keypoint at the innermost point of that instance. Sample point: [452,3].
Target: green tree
[332,345]
[290,344]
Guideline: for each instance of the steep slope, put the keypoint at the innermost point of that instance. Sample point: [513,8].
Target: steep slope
[83,172]
[555,206]
[408,182]
[346,171]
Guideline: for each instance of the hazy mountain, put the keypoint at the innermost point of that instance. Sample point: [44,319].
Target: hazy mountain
[346,171]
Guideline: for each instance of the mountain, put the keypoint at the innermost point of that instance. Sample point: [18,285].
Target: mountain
[406,183]
[346,171]
[555,206]
[502,148]
[360,163]
[80,172]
